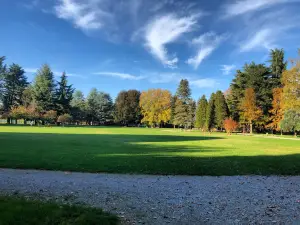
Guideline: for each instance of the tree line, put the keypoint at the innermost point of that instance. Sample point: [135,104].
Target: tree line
[261,98]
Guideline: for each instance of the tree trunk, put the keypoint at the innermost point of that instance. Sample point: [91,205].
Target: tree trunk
[295,134]
[281,132]
[251,128]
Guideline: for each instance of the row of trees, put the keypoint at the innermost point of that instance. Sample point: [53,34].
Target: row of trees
[267,98]
[260,97]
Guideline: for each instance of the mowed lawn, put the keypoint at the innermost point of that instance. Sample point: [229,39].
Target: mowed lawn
[145,151]
[15,210]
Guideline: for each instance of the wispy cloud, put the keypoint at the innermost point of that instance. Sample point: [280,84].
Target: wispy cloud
[125,76]
[206,44]
[204,83]
[165,30]
[84,15]
[227,69]
[55,73]
[263,38]
[244,6]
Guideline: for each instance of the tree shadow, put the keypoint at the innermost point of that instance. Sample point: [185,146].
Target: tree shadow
[138,154]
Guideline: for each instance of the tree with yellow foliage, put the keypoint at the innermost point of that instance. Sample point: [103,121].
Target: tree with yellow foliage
[291,86]
[156,106]
[277,110]
[250,111]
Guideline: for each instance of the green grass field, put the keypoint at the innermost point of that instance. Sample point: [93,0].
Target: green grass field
[145,151]
[21,211]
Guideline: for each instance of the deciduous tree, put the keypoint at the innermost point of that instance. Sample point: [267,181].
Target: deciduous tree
[276,113]
[251,112]
[291,121]
[155,106]
[230,125]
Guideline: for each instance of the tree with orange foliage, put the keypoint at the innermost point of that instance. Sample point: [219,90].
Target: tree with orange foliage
[250,111]
[230,125]
[156,106]
[277,109]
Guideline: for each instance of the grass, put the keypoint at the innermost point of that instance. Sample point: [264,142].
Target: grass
[20,211]
[145,151]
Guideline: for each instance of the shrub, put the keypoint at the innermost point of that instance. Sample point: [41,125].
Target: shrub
[65,118]
[230,125]
[50,116]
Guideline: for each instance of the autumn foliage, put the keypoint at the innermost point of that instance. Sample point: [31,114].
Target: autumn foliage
[230,125]
[156,106]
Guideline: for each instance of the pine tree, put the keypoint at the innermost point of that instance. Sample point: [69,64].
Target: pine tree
[15,83]
[221,109]
[278,65]
[210,113]
[2,74]
[63,95]
[182,108]
[44,89]
[191,113]
[201,113]
[79,106]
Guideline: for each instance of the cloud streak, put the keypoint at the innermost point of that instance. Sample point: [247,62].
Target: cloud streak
[206,44]
[124,76]
[241,7]
[55,73]
[227,69]
[165,30]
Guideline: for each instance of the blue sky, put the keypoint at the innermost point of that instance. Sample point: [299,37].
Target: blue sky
[117,45]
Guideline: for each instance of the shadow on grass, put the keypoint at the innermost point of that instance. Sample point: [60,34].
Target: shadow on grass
[140,154]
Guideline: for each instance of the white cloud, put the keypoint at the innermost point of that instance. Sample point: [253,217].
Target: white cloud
[31,70]
[204,83]
[124,76]
[165,30]
[206,44]
[244,6]
[226,69]
[263,38]
[55,73]
[85,16]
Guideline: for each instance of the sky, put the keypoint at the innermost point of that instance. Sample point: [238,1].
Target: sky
[115,45]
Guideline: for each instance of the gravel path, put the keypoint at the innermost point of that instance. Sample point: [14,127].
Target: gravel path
[144,199]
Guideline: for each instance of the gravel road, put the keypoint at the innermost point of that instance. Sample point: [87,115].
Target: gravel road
[145,199]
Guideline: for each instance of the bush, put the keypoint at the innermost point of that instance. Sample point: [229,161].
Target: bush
[230,125]
[50,116]
[65,118]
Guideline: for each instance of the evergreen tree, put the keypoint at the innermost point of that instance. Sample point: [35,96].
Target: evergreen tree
[210,113]
[236,94]
[191,113]
[2,74]
[15,83]
[278,64]
[44,89]
[100,107]
[221,109]
[63,95]
[92,106]
[79,107]
[201,113]
[182,109]
[183,91]
[105,108]
[173,102]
